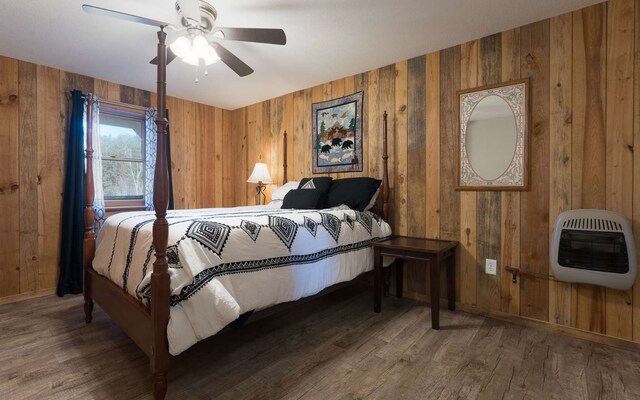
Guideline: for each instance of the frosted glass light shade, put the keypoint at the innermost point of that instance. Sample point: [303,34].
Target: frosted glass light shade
[260,174]
[181,46]
[191,58]
[212,57]
[200,46]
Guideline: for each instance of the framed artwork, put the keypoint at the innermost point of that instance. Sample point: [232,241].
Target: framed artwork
[337,135]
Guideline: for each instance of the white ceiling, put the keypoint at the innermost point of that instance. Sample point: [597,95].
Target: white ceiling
[327,39]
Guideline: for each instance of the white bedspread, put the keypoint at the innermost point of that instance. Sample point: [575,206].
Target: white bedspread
[227,261]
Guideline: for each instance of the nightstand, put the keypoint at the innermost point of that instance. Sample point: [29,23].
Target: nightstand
[434,254]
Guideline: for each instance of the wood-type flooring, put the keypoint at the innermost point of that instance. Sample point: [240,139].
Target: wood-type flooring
[331,347]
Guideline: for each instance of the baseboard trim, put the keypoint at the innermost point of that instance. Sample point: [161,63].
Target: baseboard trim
[566,330]
[26,296]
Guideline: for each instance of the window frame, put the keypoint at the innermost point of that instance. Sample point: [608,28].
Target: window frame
[133,113]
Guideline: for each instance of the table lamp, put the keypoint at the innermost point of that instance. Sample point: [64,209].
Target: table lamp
[260,175]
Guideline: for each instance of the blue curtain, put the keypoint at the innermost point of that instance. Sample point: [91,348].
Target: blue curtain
[70,280]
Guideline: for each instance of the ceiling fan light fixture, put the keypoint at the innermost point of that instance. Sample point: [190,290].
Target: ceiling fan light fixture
[181,46]
[191,58]
[212,57]
[200,46]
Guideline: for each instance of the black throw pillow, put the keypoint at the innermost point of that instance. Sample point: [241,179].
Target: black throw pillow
[353,192]
[303,199]
[322,183]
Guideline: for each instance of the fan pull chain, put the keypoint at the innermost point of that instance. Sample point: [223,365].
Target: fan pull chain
[197,74]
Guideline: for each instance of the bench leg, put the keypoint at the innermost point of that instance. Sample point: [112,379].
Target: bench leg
[387,280]
[377,281]
[434,269]
[451,281]
[399,276]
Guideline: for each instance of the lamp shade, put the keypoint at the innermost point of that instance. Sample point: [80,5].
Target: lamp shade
[212,57]
[191,58]
[200,46]
[260,174]
[181,46]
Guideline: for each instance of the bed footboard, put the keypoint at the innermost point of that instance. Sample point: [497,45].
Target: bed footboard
[130,315]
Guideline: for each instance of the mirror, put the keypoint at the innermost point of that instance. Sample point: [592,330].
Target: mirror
[492,140]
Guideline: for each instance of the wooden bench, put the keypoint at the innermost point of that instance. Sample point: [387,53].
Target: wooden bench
[434,252]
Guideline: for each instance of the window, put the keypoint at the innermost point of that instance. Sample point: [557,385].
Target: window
[122,143]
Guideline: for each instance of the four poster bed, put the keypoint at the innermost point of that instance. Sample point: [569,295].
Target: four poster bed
[190,276]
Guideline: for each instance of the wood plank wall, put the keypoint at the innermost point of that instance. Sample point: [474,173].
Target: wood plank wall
[34,111]
[200,156]
[584,71]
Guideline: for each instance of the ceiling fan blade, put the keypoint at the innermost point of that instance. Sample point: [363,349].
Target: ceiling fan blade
[105,12]
[233,62]
[258,35]
[170,57]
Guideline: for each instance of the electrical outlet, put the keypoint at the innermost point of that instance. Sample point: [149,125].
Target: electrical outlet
[491,266]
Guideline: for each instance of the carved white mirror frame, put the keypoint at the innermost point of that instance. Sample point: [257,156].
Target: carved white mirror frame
[516,175]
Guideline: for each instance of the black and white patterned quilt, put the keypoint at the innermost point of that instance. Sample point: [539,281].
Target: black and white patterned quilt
[225,262]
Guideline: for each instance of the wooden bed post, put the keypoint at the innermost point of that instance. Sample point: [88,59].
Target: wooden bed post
[160,276]
[385,170]
[284,165]
[89,241]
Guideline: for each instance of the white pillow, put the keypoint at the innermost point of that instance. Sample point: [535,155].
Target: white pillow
[274,204]
[282,191]
[372,203]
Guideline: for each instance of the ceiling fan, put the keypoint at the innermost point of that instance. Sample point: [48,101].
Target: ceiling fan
[200,46]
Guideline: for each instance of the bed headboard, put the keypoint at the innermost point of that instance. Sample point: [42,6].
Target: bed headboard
[284,153]
[382,206]
[385,170]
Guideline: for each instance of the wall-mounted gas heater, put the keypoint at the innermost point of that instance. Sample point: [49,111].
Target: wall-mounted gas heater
[594,246]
